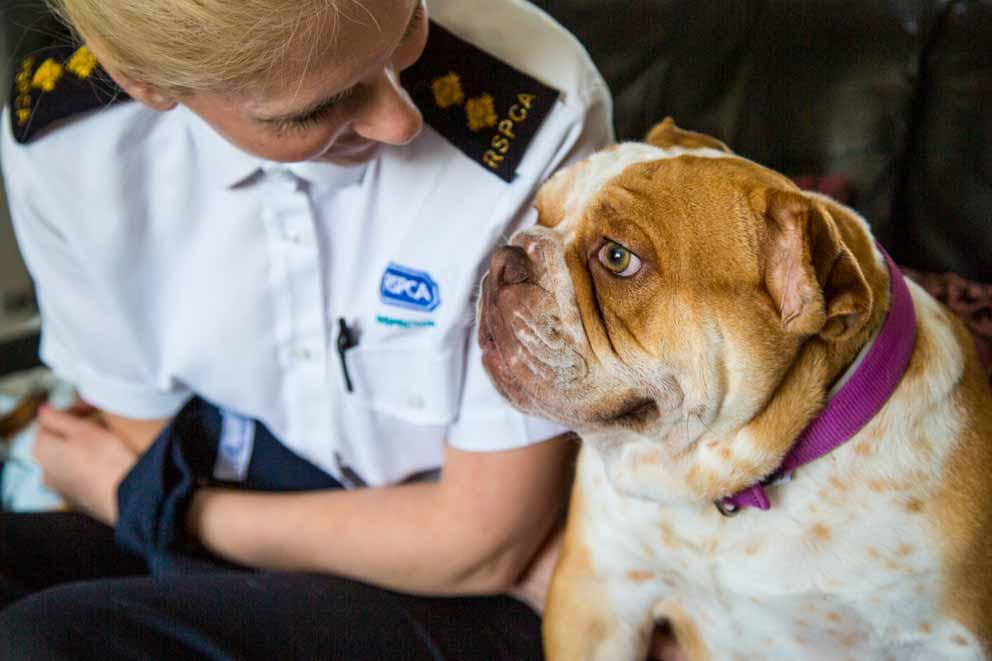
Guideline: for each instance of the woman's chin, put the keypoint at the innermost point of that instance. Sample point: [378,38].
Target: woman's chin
[352,155]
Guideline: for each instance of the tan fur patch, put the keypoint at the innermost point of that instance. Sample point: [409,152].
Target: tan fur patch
[639,576]
[821,532]
[864,449]
[915,505]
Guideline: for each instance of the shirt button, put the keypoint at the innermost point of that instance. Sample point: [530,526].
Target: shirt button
[301,354]
[295,236]
[415,402]
[283,175]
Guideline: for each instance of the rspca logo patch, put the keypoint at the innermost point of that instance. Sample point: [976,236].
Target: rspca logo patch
[408,288]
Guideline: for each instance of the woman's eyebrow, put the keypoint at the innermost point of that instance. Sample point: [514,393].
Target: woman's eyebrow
[309,110]
[337,96]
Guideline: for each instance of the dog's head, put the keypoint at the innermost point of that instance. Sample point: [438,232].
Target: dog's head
[664,295]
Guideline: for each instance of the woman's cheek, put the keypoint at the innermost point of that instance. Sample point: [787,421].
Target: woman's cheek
[305,146]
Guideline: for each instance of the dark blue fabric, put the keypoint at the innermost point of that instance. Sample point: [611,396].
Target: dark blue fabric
[67,593]
[274,467]
[42,549]
[262,616]
[154,497]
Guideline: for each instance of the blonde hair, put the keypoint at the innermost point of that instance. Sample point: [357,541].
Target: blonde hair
[179,46]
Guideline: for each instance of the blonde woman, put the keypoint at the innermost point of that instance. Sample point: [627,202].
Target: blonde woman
[256,262]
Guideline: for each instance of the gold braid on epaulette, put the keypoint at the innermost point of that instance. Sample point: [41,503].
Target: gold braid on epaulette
[67,82]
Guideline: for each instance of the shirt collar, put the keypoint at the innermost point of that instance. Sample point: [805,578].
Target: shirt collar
[227,166]
[326,174]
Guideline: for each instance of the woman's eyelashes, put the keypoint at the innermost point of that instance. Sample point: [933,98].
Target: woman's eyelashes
[314,117]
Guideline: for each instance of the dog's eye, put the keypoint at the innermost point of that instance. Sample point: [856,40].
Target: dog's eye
[619,260]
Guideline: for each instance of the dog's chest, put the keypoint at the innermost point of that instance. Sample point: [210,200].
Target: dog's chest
[809,592]
[823,575]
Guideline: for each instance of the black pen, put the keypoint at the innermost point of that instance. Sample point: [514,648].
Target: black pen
[346,340]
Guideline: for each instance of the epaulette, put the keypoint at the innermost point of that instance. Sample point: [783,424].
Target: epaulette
[56,83]
[483,106]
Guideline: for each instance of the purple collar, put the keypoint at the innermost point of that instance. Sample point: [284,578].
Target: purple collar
[857,402]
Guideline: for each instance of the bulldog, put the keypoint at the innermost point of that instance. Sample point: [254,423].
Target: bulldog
[786,446]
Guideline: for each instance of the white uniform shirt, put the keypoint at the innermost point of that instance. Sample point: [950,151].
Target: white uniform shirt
[168,263]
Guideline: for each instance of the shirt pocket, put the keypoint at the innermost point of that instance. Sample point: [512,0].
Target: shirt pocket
[418,385]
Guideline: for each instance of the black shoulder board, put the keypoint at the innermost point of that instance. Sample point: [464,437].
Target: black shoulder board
[56,83]
[483,106]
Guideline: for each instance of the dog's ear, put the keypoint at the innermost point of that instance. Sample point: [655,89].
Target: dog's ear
[667,134]
[811,275]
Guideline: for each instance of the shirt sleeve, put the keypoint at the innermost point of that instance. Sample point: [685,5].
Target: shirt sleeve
[486,421]
[85,339]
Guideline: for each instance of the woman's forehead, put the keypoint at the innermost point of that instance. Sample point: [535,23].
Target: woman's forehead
[330,55]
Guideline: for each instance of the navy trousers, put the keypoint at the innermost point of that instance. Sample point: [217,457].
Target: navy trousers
[68,591]
[72,594]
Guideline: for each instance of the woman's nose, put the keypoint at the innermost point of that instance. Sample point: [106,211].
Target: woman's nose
[390,116]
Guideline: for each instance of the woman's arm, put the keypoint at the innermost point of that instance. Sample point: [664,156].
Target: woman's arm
[473,531]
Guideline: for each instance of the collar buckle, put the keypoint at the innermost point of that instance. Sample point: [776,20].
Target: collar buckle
[726,507]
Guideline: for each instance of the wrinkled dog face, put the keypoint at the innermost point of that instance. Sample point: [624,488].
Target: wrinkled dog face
[639,302]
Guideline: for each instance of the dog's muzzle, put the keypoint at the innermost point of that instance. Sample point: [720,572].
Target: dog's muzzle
[525,348]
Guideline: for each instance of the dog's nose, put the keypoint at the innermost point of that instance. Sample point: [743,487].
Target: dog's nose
[510,266]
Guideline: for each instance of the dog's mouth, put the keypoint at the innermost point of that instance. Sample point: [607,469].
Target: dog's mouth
[520,355]
[487,334]
[635,413]
[517,384]
[500,371]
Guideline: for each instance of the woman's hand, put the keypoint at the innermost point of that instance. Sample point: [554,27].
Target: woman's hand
[533,589]
[82,459]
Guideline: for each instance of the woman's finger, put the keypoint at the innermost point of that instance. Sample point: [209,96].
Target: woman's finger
[81,409]
[48,448]
[63,423]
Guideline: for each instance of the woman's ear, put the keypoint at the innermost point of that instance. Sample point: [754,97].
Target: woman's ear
[142,92]
[136,89]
